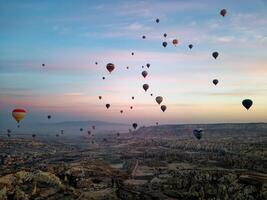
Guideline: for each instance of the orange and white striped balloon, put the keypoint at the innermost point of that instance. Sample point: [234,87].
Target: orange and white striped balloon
[19,114]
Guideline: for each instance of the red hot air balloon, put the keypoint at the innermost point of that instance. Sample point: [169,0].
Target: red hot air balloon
[110,67]
[175,42]
[19,114]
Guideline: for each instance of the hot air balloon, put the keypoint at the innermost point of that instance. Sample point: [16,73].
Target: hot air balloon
[89,132]
[144,74]
[132,53]
[165,35]
[157,20]
[33,136]
[107,105]
[151,94]
[175,42]
[103,78]
[147,65]
[247,103]
[81,129]
[127,67]
[159,99]
[163,108]
[57,135]
[190,46]
[198,133]
[144,37]
[134,126]
[18,114]
[48,116]
[132,97]
[8,135]
[62,132]
[121,111]
[131,107]
[157,123]
[96,63]
[145,86]
[8,131]
[110,67]
[164,44]
[100,97]
[142,66]
[223,12]
[215,54]
[215,81]
[118,134]
[93,127]
[43,65]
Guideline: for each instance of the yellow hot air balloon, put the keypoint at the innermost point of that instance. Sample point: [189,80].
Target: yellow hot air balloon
[19,114]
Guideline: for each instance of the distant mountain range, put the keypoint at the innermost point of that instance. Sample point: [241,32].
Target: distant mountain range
[84,123]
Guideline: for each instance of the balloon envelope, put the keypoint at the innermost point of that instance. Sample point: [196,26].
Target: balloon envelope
[163,108]
[107,105]
[215,81]
[215,54]
[110,67]
[223,12]
[19,114]
[164,44]
[198,133]
[159,99]
[247,103]
[145,87]
[144,74]
[135,125]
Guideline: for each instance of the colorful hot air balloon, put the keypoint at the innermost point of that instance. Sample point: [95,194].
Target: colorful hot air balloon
[134,126]
[145,87]
[164,44]
[110,67]
[159,99]
[223,12]
[19,114]
[175,42]
[163,108]
[107,105]
[190,46]
[215,54]
[144,74]
[215,81]
[198,133]
[247,103]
